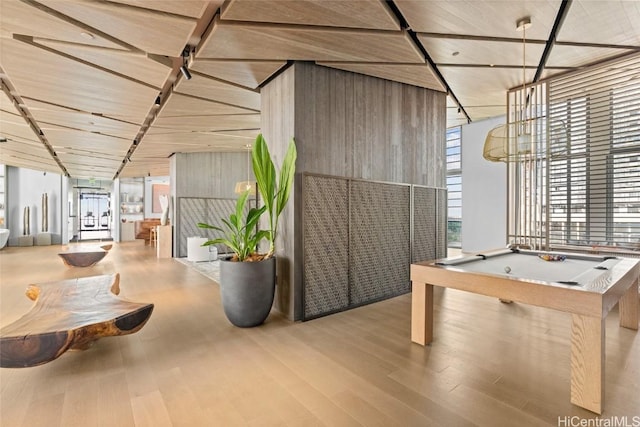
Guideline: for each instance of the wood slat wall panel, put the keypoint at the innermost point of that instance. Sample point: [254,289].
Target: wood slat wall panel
[211,175]
[278,109]
[204,175]
[363,127]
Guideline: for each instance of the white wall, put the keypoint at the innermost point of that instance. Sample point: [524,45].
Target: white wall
[25,188]
[484,191]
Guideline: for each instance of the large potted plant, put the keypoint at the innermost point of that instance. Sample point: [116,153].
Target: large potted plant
[248,279]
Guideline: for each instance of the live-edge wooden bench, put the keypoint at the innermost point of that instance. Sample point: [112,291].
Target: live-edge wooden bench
[69,314]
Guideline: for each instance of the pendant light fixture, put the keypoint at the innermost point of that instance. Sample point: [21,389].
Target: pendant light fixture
[514,140]
[248,185]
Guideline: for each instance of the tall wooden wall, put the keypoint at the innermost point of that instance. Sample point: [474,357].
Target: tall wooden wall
[349,125]
[207,176]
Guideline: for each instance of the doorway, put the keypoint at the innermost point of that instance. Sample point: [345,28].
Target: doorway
[95,221]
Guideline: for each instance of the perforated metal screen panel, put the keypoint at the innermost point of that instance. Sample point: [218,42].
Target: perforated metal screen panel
[424,224]
[379,245]
[358,240]
[441,223]
[326,249]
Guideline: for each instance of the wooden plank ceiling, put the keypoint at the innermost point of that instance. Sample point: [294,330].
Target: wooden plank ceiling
[93,89]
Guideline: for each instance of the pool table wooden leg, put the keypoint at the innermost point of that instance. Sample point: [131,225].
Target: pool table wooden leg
[421,313]
[587,362]
[628,306]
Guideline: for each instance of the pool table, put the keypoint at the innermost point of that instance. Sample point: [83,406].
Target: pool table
[587,286]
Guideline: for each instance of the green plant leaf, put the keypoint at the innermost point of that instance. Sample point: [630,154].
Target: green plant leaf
[262,234]
[210,227]
[231,226]
[241,233]
[253,216]
[275,192]
[240,204]
[287,174]
[265,173]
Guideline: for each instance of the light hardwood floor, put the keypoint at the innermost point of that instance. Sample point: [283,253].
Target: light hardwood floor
[491,364]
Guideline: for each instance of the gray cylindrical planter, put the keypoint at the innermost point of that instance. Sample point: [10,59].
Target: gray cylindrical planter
[247,290]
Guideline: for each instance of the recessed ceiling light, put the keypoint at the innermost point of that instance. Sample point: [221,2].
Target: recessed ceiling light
[456,53]
[87,36]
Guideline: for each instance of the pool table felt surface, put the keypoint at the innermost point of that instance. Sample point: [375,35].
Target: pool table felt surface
[577,271]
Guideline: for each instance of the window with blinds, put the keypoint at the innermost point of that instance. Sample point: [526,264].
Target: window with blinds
[593,196]
[454,188]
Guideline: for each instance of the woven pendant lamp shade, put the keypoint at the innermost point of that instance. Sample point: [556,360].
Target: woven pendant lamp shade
[508,143]
[504,144]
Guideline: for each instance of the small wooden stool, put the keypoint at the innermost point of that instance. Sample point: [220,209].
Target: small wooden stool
[153,236]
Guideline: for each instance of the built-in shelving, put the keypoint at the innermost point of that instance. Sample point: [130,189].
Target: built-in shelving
[131,198]
[131,206]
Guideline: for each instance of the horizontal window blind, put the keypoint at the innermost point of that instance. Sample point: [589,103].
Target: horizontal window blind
[594,184]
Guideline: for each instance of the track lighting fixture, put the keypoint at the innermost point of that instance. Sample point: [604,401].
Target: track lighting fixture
[185,72]
[158,100]
[185,62]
